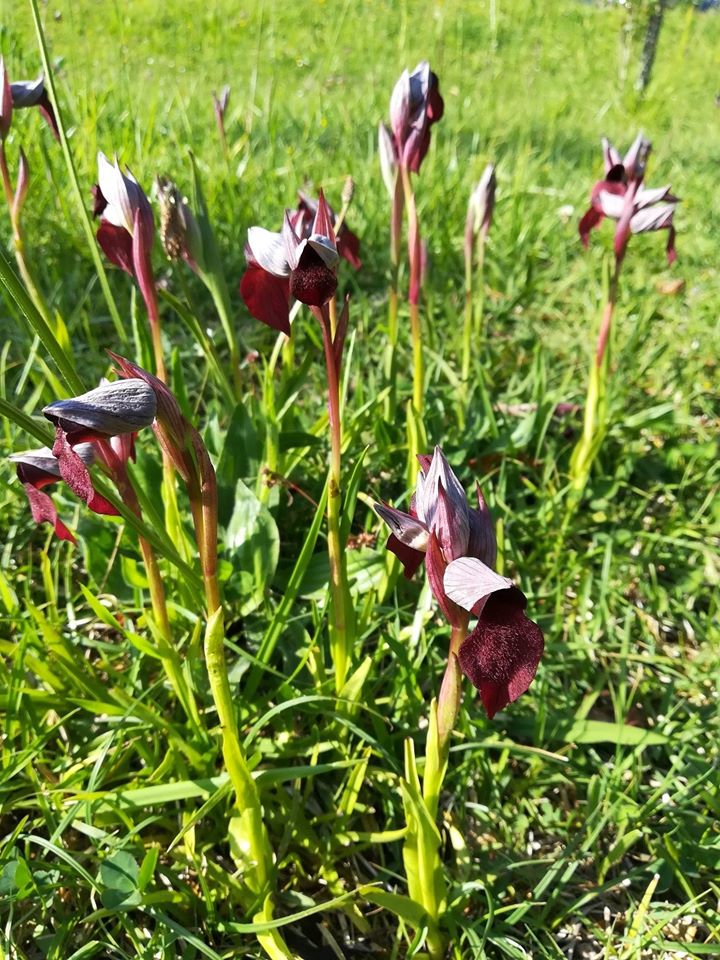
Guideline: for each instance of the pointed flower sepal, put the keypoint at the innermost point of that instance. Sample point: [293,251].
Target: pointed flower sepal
[501,655]
[124,406]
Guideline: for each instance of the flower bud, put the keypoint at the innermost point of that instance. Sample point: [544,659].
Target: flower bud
[179,231]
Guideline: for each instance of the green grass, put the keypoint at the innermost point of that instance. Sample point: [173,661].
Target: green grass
[558,815]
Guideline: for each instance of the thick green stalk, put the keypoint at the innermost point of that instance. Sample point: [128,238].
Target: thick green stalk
[202,490]
[422,847]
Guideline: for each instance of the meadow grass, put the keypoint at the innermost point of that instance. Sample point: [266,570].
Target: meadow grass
[584,816]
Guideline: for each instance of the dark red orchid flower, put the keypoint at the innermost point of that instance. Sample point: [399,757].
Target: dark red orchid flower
[622,197]
[37,469]
[281,265]
[501,655]
[108,416]
[415,105]
[127,228]
[303,218]
[21,94]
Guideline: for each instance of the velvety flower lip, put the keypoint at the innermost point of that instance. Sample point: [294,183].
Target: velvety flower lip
[41,467]
[124,406]
[501,655]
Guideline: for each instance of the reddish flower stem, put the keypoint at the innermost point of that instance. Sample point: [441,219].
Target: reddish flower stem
[18,241]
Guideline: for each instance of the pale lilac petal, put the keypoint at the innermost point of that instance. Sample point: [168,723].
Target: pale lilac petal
[268,249]
[645,198]
[652,218]
[610,155]
[407,529]
[426,493]
[611,204]
[468,580]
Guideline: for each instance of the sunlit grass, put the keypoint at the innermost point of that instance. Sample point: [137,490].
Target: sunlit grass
[558,814]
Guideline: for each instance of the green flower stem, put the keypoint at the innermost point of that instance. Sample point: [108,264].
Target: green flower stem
[448,707]
[474,295]
[595,415]
[426,881]
[254,840]
[341,619]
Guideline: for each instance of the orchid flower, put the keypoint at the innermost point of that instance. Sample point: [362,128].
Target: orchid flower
[21,94]
[111,410]
[415,105]
[303,218]
[622,197]
[457,543]
[126,234]
[127,229]
[480,208]
[281,265]
[37,469]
